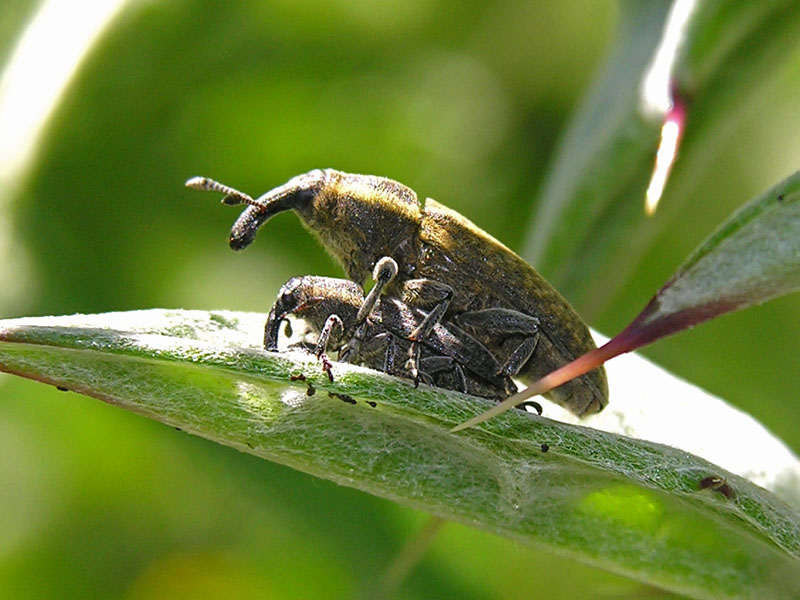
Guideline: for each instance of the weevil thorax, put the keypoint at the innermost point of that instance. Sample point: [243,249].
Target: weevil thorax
[362,218]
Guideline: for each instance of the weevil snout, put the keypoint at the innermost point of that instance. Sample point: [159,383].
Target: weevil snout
[296,194]
[287,302]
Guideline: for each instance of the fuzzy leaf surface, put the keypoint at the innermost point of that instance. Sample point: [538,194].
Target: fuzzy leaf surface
[628,505]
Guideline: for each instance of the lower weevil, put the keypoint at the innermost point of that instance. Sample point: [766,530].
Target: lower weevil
[446,357]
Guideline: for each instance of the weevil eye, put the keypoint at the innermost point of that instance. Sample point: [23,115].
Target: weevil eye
[290,292]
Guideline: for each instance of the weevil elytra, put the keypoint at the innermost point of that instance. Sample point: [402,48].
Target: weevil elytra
[447,357]
[441,255]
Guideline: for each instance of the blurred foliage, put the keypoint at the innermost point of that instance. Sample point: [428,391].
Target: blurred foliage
[738,77]
[12,21]
[464,102]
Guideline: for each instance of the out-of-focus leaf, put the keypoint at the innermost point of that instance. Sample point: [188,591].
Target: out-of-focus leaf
[590,230]
[597,496]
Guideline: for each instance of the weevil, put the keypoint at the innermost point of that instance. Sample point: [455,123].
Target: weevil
[446,264]
[447,357]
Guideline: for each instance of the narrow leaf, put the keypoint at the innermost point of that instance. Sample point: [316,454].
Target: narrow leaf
[589,213]
[752,257]
[596,496]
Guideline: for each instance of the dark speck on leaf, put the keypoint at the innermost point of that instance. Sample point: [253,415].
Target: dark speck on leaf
[545,447]
[61,388]
[718,484]
[342,397]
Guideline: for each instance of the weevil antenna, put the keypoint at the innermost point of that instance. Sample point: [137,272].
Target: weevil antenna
[295,194]
[232,195]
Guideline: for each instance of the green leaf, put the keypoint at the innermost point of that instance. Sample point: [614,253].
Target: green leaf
[752,257]
[628,505]
[590,231]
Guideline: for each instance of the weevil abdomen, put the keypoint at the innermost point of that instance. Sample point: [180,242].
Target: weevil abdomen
[489,274]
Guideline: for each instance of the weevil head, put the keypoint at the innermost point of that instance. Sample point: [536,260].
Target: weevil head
[296,194]
[358,218]
[313,299]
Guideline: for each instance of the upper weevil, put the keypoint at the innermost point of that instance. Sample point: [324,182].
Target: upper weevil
[444,261]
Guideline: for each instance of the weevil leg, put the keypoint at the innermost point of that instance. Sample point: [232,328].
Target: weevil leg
[391,352]
[383,273]
[426,379]
[432,365]
[530,404]
[425,293]
[367,351]
[348,354]
[461,378]
[424,376]
[437,364]
[322,343]
[351,351]
[505,321]
[412,364]
[433,317]
[520,356]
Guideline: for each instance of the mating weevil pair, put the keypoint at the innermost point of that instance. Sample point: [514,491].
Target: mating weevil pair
[446,265]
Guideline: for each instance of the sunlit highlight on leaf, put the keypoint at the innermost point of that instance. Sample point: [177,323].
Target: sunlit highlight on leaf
[671,134]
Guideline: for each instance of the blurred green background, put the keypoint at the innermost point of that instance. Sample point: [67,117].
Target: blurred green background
[462,101]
